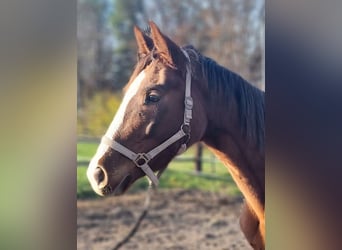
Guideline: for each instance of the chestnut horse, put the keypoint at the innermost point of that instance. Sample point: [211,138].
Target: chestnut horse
[175,98]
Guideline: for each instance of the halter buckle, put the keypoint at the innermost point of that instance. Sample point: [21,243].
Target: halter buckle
[189,103]
[141,159]
[186,130]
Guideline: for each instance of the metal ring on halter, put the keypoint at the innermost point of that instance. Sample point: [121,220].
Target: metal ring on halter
[141,159]
[186,130]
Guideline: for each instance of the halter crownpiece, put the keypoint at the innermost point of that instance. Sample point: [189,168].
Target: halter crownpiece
[141,160]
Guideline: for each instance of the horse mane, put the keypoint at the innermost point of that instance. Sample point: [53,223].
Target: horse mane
[225,86]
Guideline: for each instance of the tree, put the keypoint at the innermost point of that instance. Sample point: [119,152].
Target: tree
[125,16]
[225,30]
[94,47]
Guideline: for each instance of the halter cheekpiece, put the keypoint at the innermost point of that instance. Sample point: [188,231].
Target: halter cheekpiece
[141,160]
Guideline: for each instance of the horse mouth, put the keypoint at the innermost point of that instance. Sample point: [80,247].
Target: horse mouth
[107,190]
[123,185]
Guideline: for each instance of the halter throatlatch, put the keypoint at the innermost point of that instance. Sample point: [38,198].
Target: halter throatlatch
[141,160]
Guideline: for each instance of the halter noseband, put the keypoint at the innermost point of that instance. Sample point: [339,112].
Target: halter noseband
[141,160]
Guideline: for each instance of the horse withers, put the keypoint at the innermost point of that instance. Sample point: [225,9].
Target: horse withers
[175,98]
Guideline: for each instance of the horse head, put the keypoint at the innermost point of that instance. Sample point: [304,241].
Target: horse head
[152,123]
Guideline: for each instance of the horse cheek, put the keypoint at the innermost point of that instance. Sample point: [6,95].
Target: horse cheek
[150,129]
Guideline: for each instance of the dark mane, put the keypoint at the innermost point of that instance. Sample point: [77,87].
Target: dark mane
[226,86]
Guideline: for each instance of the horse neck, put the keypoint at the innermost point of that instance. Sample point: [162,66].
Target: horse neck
[242,155]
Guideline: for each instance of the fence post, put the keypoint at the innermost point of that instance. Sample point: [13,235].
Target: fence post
[198,161]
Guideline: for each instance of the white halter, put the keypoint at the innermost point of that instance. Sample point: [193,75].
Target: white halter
[141,160]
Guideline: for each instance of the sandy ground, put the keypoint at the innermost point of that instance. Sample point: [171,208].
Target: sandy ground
[177,220]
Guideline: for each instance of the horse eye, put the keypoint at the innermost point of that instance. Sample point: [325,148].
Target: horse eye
[151,98]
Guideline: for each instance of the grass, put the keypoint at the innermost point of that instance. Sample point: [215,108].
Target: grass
[214,178]
[85,150]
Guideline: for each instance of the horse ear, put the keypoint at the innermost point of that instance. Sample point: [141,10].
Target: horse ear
[167,49]
[145,43]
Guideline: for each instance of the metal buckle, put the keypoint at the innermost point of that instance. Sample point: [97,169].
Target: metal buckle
[141,159]
[188,102]
[185,128]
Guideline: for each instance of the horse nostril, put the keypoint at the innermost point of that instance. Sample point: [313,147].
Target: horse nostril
[100,176]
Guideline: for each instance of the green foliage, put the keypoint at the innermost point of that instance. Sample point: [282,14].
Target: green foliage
[97,114]
[177,175]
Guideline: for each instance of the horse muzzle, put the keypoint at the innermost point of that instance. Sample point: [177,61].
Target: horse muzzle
[103,186]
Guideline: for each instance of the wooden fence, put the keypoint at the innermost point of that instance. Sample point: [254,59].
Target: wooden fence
[198,159]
